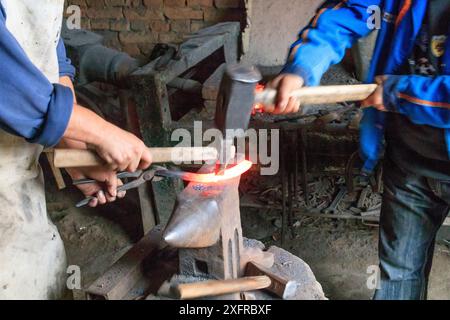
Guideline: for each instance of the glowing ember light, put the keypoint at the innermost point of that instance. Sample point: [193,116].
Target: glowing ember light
[258,108]
[229,174]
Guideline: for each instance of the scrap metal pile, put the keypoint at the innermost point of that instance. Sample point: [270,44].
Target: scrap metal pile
[327,197]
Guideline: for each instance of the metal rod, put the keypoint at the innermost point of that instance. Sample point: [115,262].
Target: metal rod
[283,187]
[302,142]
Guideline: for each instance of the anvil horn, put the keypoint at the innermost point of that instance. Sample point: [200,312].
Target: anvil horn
[194,224]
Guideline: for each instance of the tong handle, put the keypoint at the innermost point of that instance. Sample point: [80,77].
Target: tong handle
[120,175]
[86,201]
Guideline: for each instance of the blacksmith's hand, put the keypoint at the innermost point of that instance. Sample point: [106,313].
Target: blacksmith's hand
[376,99]
[286,84]
[104,191]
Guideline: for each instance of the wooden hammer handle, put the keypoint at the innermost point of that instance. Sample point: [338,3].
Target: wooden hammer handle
[70,158]
[321,95]
[218,288]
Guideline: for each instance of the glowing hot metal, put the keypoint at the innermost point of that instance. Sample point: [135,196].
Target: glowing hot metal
[230,173]
[258,107]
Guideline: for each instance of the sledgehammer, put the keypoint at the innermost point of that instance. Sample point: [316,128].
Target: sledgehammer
[238,96]
[256,278]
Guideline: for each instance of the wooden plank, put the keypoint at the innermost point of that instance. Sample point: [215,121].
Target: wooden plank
[148,213]
[195,50]
[60,183]
[125,273]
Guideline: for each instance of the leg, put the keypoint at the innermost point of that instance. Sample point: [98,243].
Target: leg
[411,216]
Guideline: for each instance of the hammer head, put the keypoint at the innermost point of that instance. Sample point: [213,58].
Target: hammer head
[281,287]
[234,107]
[236,98]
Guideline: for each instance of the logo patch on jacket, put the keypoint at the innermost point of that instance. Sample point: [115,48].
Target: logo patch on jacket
[438,45]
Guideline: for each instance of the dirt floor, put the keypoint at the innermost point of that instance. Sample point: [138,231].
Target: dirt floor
[94,238]
[340,253]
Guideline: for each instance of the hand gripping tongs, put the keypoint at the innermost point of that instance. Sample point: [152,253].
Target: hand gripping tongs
[140,177]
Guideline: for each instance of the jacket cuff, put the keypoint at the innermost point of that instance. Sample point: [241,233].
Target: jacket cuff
[68,70]
[291,68]
[57,118]
[390,93]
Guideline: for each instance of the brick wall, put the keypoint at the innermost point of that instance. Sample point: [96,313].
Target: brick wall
[135,26]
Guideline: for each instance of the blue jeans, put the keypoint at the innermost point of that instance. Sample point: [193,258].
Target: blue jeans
[414,209]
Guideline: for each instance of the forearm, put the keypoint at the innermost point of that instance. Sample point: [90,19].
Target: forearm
[85,126]
[65,142]
[324,41]
[120,149]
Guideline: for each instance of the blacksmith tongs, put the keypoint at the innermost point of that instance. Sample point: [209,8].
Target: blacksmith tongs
[141,177]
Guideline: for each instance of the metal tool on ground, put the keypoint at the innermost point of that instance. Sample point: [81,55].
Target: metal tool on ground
[70,158]
[333,208]
[281,287]
[216,288]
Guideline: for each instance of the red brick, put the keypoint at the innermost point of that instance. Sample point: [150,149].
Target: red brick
[95,3]
[76,2]
[200,3]
[154,3]
[132,49]
[129,37]
[170,37]
[106,13]
[143,13]
[181,26]
[197,25]
[139,25]
[116,3]
[100,24]
[119,25]
[159,26]
[175,3]
[183,13]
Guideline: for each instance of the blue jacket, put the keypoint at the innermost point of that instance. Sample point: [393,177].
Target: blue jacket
[337,25]
[31,106]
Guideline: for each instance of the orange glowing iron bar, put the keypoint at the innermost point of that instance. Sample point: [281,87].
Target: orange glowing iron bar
[229,174]
[258,107]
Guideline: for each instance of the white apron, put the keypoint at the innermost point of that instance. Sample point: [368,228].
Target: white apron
[32,256]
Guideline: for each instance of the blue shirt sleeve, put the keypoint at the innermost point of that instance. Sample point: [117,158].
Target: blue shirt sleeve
[30,106]
[324,41]
[65,65]
[424,100]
